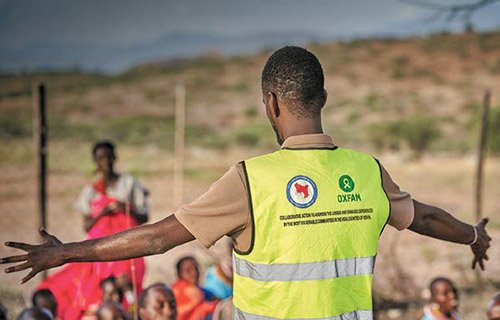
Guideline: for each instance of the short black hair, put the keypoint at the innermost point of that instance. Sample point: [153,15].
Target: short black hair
[295,75]
[104,144]
[111,279]
[47,294]
[35,314]
[181,261]
[437,280]
[145,293]
[110,304]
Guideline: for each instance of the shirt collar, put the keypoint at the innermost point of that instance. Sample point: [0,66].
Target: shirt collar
[316,140]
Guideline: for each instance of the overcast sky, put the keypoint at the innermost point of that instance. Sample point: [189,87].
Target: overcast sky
[111,23]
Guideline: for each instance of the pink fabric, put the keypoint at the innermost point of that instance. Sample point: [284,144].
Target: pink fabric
[77,285]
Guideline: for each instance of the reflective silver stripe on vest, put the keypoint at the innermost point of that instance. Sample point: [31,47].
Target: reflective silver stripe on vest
[304,271]
[354,315]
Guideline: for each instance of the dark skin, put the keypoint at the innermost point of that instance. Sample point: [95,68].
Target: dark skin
[104,160]
[190,271]
[168,233]
[493,312]
[444,295]
[159,305]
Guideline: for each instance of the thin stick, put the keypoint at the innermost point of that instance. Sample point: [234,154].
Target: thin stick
[483,139]
[40,132]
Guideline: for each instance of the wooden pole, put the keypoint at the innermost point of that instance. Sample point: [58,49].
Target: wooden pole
[40,136]
[180,115]
[480,165]
[483,139]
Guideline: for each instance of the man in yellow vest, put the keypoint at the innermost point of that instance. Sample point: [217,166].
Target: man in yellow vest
[305,219]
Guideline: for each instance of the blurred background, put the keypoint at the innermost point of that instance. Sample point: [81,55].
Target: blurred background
[406,80]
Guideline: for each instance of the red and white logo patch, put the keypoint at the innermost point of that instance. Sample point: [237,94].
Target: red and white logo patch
[301,191]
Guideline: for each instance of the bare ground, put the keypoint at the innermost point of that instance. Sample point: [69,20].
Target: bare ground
[405,264]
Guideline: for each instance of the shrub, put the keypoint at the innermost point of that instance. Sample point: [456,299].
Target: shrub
[256,133]
[384,135]
[494,130]
[417,133]
[16,124]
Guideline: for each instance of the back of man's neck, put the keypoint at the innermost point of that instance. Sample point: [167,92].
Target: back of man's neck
[309,126]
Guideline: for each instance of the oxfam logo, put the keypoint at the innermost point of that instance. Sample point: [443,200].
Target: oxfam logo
[346,183]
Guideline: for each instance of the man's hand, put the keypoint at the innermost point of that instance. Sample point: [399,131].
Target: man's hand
[481,246]
[37,257]
[135,242]
[437,223]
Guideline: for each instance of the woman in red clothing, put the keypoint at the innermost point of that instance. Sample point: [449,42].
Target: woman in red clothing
[192,301]
[112,203]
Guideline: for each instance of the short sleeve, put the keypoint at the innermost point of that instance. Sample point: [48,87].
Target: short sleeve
[402,211]
[222,210]
[82,202]
[139,198]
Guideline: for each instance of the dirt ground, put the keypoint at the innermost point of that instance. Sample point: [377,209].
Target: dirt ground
[405,264]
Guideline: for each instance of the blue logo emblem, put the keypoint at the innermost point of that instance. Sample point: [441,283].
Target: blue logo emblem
[301,191]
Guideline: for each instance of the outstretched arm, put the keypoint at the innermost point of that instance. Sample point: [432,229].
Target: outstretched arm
[437,223]
[132,243]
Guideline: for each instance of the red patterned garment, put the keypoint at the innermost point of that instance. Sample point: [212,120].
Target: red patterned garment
[191,302]
[77,285]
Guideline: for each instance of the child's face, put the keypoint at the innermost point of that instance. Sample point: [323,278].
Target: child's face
[444,295]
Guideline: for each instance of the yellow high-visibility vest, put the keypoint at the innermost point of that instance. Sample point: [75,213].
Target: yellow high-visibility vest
[317,216]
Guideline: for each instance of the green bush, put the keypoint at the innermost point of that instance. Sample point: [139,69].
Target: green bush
[494,130]
[474,126]
[251,112]
[494,66]
[16,124]
[417,133]
[384,135]
[372,101]
[256,133]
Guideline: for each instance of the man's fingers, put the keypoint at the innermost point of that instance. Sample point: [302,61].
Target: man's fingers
[486,257]
[29,276]
[20,267]
[43,233]
[483,222]
[46,236]
[11,259]
[474,261]
[481,264]
[19,245]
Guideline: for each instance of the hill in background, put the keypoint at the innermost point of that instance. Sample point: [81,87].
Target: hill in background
[417,94]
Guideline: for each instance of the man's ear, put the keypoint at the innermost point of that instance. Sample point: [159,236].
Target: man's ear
[274,107]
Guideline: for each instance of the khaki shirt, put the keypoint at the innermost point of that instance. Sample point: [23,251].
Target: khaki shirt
[224,208]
